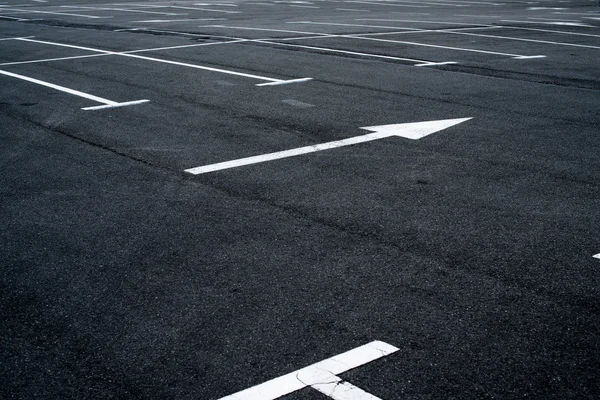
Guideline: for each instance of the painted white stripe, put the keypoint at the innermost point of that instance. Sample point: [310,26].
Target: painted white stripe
[353,25]
[125,104]
[285,82]
[431,64]
[548,23]
[53,59]
[206,9]
[107,103]
[597,256]
[516,56]
[413,131]
[524,40]
[162,21]
[223,71]
[384,4]
[328,49]
[263,29]
[317,374]
[16,38]
[121,9]
[418,21]
[14,18]
[57,13]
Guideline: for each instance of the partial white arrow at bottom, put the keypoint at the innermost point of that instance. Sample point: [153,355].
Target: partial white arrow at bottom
[413,130]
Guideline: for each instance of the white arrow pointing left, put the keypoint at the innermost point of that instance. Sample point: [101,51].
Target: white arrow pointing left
[414,130]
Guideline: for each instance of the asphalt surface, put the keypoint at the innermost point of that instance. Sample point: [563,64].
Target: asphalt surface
[471,250]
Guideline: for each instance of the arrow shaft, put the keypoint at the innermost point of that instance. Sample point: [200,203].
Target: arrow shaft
[287,153]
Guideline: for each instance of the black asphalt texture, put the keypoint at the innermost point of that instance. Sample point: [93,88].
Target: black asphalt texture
[471,250]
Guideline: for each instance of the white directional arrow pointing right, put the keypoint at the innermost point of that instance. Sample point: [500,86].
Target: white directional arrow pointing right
[413,130]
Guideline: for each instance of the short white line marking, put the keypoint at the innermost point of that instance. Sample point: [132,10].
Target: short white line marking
[162,21]
[14,18]
[16,38]
[303,6]
[264,29]
[431,64]
[107,103]
[121,9]
[352,10]
[597,256]
[53,59]
[125,104]
[385,4]
[206,9]
[415,130]
[319,375]
[285,82]
[548,23]
[57,13]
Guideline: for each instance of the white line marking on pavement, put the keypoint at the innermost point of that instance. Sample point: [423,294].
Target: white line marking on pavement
[414,130]
[597,256]
[125,104]
[548,23]
[284,82]
[107,103]
[56,13]
[14,18]
[319,375]
[206,9]
[121,9]
[263,29]
[514,56]
[327,49]
[162,21]
[16,38]
[273,81]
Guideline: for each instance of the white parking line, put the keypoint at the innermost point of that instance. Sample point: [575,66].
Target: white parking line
[363,37]
[420,63]
[121,9]
[106,103]
[320,375]
[205,9]
[168,21]
[263,29]
[16,38]
[386,4]
[549,23]
[514,56]
[54,13]
[415,130]
[223,71]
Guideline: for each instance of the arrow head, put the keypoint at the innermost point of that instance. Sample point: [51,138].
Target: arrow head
[415,130]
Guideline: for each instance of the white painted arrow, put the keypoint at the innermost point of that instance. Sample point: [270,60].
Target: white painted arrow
[414,130]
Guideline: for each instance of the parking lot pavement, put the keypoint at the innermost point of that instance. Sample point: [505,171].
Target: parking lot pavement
[378,199]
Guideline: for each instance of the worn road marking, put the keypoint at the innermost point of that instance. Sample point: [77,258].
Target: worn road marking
[321,376]
[597,256]
[297,103]
[415,130]
[106,103]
